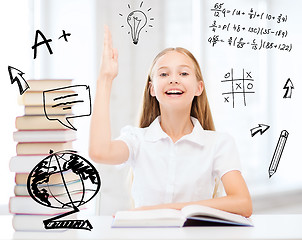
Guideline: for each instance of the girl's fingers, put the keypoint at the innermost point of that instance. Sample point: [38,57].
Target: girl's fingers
[115,54]
[109,60]
[106,39]
[108,51]
[109,38]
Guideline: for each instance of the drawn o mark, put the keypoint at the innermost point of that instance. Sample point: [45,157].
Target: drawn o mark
[249,86]
[227,75]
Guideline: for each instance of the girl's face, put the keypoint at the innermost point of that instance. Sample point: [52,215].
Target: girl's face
[174,82]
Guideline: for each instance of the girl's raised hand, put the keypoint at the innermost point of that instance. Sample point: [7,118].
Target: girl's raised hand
[109,64]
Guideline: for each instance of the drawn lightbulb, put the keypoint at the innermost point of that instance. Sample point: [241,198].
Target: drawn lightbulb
[137,20]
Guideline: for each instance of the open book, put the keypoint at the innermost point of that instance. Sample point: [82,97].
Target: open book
[193,215]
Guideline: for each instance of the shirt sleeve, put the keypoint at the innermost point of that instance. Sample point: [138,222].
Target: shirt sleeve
[129,136]
[226,156]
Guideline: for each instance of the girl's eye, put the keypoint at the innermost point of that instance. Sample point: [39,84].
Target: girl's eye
[184,74]
[163,74]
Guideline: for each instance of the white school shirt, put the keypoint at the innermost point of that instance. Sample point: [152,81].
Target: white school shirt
[184,171]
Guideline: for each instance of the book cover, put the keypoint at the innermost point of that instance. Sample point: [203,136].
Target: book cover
[46,84]
[41,148]
[56,189]
[36,98]
[26,222]
[27,205]
[44,136]
[39,110]
[21,178]
[24,164]
[40,122]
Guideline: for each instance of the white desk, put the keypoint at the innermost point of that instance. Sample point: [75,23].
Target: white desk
[266,227]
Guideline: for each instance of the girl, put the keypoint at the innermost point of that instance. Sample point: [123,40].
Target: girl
[175,153]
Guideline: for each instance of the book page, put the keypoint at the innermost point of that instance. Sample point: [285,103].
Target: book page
[149,218]
[199,210]
[149,214]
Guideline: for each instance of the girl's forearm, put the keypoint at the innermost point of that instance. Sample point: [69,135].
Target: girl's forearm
[232,204]
[102,149]
[100,130]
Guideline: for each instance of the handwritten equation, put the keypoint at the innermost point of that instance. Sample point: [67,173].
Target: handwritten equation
[255,30]
[220,10]
[255,44]
[238,86]
[220,25]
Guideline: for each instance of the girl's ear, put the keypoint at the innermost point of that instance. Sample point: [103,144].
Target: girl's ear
[199,89]
[151,89]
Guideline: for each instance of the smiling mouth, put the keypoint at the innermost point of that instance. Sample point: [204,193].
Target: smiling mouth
[174,92]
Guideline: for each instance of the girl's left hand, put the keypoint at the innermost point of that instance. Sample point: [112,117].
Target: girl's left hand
[109,64]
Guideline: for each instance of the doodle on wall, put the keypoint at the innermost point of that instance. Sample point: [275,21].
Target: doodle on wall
[137,20]
[65,35]
[289,89]
[221,26]
[46,41]
[238,86]
[16,75]
[60,163]
[262,128]
[69,97]
[278,153]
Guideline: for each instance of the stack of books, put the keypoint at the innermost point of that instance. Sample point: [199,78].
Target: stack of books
[35,137]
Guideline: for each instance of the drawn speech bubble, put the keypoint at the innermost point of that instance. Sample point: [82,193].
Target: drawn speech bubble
[75,97]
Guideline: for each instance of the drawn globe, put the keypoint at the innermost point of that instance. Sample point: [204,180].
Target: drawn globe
[63,180]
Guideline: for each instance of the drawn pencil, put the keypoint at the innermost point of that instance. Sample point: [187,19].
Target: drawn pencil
[278,152]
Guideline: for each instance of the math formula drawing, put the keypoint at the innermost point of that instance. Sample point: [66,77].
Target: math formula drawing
[237,28]
[240,86]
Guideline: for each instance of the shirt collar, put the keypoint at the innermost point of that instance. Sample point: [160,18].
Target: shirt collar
[155,133]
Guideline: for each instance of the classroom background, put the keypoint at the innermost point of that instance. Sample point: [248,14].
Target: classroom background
[214,34]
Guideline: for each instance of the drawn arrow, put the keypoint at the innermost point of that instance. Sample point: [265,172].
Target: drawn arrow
[288,86]
[261,128]
[16,76]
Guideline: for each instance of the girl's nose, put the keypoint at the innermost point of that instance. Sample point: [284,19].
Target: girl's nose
[173,81]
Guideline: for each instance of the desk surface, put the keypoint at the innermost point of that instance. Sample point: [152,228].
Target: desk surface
[265,227]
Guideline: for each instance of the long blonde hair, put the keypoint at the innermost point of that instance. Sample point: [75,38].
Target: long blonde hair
[200,108]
